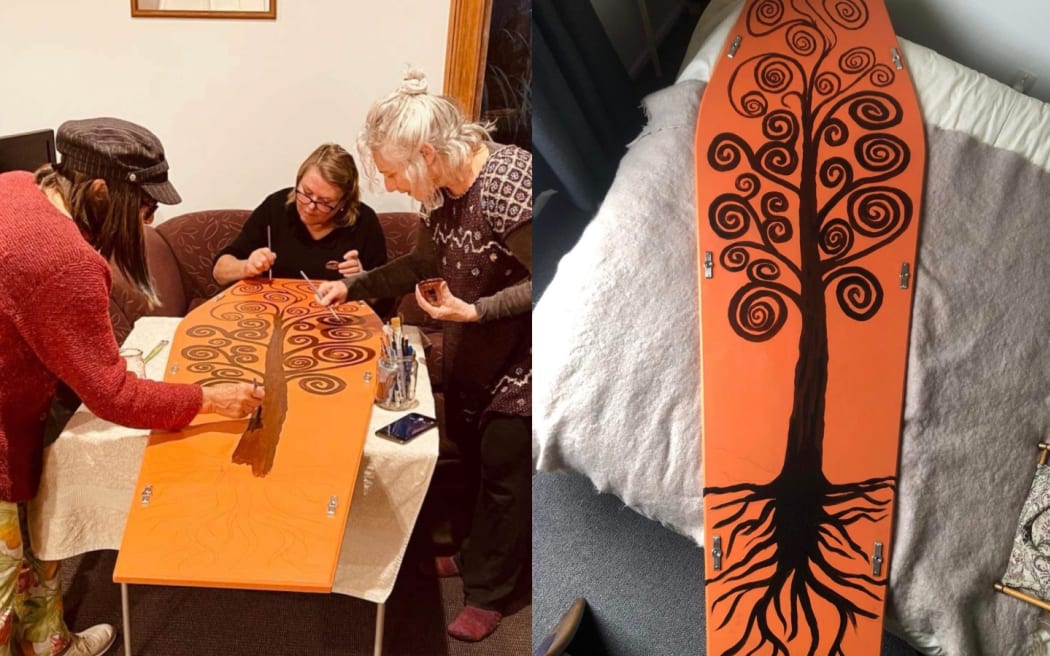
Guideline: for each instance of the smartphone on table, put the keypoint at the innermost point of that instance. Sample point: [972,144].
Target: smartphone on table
[408,427]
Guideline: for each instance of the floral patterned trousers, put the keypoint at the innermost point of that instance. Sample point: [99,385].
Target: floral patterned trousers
[31,621]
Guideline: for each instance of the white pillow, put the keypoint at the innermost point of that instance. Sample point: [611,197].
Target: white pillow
[616,335]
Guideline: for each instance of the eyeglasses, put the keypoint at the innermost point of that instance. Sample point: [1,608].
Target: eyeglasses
[307,199]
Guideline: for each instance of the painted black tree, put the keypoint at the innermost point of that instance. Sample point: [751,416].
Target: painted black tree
[300,344]
[796,552]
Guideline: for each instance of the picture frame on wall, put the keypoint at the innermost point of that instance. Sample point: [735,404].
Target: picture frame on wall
[265,9]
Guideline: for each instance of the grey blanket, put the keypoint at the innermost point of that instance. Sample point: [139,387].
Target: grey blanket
[977,400]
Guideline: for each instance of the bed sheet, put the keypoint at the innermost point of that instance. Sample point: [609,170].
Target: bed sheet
[617,385]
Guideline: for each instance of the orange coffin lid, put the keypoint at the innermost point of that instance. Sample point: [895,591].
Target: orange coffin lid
[259,502]
[809,171]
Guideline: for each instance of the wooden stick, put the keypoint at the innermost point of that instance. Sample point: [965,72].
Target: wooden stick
[1017,594]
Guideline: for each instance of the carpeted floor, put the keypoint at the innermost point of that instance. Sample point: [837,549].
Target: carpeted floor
[170,621]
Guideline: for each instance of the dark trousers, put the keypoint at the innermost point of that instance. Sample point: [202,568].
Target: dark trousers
[498,459]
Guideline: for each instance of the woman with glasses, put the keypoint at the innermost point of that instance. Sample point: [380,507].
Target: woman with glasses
[476,235]
[319,227]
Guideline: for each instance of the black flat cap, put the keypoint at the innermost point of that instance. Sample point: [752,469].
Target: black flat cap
[114,149]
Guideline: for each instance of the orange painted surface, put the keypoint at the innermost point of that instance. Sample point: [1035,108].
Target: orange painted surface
[244,503]
[809,171]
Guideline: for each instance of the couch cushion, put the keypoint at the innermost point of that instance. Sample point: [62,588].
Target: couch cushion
[400,230]
[195,238]
[127,304]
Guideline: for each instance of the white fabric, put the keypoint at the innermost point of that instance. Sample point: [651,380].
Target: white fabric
[91,469]
[616,386]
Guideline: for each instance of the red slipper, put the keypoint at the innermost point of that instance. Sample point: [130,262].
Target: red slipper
[474,624]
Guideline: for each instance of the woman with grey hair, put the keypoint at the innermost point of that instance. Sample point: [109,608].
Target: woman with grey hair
[57,230]
[475,235]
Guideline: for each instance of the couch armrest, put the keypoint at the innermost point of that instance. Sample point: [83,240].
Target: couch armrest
[127,304]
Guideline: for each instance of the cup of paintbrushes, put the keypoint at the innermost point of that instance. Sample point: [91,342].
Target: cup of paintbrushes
[396,382]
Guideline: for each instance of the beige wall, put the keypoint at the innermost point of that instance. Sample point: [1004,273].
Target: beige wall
[237,103]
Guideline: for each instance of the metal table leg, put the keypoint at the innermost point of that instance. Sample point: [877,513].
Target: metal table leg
[380,612]
[126,617]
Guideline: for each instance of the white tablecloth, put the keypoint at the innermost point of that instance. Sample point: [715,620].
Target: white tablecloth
[91,469]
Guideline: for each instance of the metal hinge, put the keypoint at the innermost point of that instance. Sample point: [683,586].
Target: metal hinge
[716,552]
[734,46]
[905,274]
[147,494]
[876,560]
[896,55]
[333,503]
[709,264]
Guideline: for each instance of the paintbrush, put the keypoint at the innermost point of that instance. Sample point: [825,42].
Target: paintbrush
[317,295]
[269,245]
[156,349]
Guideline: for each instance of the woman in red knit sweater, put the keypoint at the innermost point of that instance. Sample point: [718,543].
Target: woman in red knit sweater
[57,230]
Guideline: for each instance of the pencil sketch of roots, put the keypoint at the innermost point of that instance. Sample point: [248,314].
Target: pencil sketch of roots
[279,342]
[828,152]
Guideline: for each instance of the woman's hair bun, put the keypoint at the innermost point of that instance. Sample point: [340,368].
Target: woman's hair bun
[414,83]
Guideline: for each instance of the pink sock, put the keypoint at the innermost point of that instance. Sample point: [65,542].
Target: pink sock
[474,624]
[445,566]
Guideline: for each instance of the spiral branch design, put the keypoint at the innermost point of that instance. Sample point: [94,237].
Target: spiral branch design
[222,372]
[778,158]
[776,227]
[804,39]
[827,83]
[836,238]
[313,382]
[765,16]
[763,271]
[757,311]
[882,152]
[728,150]
[216,354]
[736,257]
[874,110]
[774,73]
[857,292]
[847,14]
[882,75]
[250,326]
[310,357]
[878,211]
[781,125]
[731,215]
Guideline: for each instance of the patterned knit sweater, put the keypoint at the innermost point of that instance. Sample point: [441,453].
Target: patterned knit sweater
[487,366]
[54,324]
